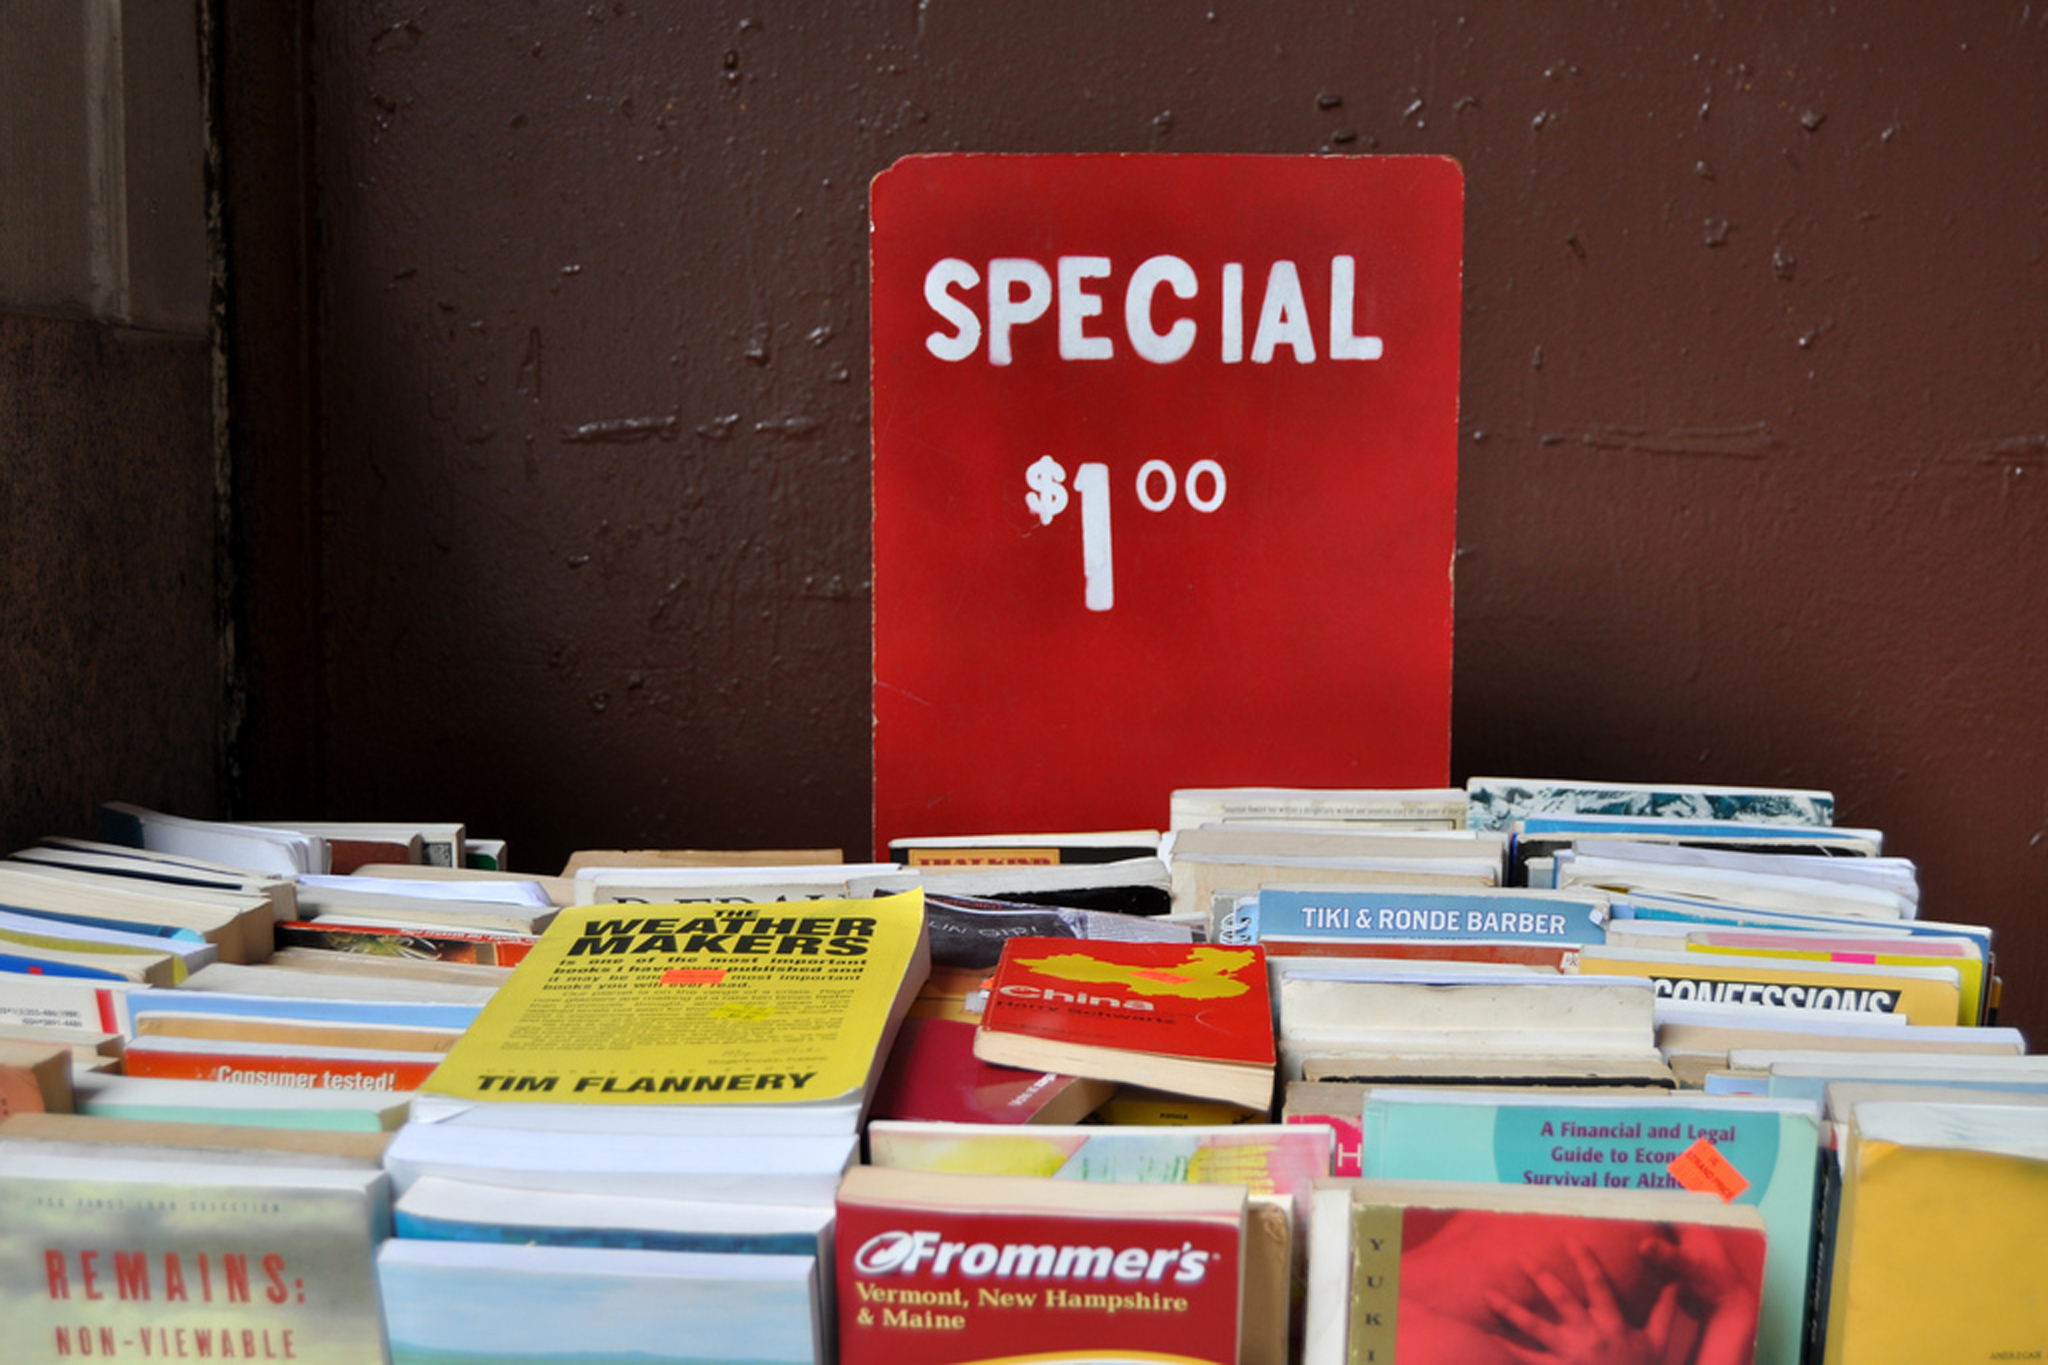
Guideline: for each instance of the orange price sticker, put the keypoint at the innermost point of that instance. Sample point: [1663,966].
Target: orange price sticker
[1702,1169]
[693,976]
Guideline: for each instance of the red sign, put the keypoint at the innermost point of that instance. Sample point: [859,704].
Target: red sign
[1165,469]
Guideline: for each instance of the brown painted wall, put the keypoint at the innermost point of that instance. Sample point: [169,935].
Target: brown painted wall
[1754,409]
[110,666]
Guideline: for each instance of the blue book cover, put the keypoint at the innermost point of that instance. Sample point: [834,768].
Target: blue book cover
[1380,914]
[1621,1142]
[474,1303]
[396,1013]
[1695,910]
[119,926]
[35,966]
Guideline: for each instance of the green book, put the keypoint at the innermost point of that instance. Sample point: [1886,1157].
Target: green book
[1759,1152]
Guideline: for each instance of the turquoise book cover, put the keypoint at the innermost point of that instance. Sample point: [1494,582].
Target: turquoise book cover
[1772,1148]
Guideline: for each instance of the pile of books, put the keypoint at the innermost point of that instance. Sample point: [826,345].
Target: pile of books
[1519,1070]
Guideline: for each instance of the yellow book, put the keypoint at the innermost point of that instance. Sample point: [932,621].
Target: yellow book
[1937,1251]
[698,1017]
[1923,995]
[1969,968]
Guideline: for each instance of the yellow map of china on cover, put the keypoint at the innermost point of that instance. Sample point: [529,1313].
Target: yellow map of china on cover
[696,1004]
[1205,975]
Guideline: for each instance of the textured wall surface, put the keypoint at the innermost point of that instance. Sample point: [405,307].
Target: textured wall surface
[1754,421]
[110,670]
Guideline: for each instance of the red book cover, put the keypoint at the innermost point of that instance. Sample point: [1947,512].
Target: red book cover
[940,1268]
[1187,1018]
[1492,1286]
[304,1070]
[933,1074]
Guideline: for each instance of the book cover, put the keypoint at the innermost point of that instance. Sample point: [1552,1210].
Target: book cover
[35,1078]
[1404,915]
[443,944]
[1362,807]
[1923,995]
[250,847]
[1956,954]
[144,1258]
[735,1167]
[480,1303]
[1140,1107]
[1456,1275]
[450,1209]
[1937,1253]
[163,1023]
[1336,1105]
[968,932]
[933,1074]
[299,1066]
[942,1269]
[1189,1018]
[680,1007]
[1602,1142]
[1498,802]
[63,1002]
[304,1003]
[937,853]
[237,1102]
[113,1137]
[1123,886]
[236,920]
[1538,834]
[1329,1005]
[1267,1159]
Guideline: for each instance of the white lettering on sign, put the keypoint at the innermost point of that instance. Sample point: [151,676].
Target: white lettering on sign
[1021,291]
[1157,487]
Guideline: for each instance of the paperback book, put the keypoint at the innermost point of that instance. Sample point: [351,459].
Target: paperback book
[682,1018]
[1937,1245]
[943,1269]
[1192,1019]
[481,1303]
[1440,1273]
[1767,1154]
[151,1257]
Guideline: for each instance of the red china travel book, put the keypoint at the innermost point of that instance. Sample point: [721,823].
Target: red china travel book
[1191,1019]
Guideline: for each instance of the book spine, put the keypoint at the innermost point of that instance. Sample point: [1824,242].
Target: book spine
[120,827]
[35,966]
[485,949]
[292,1072]
[1375,1284]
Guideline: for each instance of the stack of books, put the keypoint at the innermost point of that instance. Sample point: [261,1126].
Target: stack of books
[647,1127]
[1501,1072]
